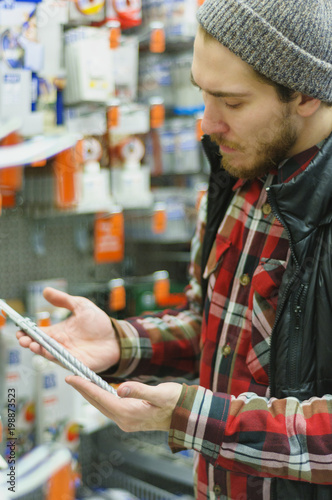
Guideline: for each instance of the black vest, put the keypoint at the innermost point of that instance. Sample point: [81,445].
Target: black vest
[304,206]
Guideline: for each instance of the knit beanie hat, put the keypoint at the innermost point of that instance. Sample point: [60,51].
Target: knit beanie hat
[288,41]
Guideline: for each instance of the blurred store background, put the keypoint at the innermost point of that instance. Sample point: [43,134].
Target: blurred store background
[101,174]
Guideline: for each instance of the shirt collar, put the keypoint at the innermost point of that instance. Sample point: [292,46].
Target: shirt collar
[293,166]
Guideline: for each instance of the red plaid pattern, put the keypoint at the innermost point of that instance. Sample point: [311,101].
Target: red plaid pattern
[242,437]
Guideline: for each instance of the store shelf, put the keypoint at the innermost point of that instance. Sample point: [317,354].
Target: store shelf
[56,215]
[35,150]
[142,489]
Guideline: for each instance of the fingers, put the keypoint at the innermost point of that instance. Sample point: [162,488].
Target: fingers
[134,413]
[137,390]
[164,395]
[93,394]
[59,299]
[129,414]
[25,341]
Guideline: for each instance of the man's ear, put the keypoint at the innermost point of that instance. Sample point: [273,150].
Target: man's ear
[306,106]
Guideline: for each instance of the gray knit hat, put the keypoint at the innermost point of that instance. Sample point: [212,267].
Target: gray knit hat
[288,41]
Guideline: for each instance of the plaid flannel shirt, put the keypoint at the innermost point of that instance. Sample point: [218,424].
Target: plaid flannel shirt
[241,436]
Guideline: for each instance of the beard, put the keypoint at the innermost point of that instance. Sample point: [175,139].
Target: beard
[268,151]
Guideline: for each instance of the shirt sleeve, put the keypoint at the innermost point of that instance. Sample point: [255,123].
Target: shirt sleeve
[257,436]
[166,343]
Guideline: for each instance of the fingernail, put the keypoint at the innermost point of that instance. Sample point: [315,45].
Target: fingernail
[125,392]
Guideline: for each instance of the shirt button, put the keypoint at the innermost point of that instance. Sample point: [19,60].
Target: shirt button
[245,279]
[226,350]
[217,490]
[266,209]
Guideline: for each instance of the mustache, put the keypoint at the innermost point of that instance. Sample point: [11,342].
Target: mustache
[220,141]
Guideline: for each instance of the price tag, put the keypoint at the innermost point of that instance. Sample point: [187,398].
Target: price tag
[157,41]
[113,116]
[114,36]
[117,298]
[2,318]
[109,238]
[66,178]
[157,115]
[199,131]
[161,291]
[159,220]
[40,163]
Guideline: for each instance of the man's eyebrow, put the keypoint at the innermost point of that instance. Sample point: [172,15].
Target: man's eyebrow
[220,94]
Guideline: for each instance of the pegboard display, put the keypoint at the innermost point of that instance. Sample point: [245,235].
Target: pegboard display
[37,249]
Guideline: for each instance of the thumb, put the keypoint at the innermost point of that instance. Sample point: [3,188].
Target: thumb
[59,299]
[137,390]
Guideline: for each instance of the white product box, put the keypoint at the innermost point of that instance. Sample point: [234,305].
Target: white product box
[15,92]
[20,383]
[58,406]
[88,61]
[126,69]
[131,187]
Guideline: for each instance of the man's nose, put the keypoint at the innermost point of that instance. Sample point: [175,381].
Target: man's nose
[213,121]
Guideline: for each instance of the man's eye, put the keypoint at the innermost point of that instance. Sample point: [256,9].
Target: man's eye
[233,106]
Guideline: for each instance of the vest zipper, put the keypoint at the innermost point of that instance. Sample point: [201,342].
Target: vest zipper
[289,284]
[295,340]
[276,213]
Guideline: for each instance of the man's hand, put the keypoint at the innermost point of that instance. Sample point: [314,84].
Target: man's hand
[141,407]
[88,333]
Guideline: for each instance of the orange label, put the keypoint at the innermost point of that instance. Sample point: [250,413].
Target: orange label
[40,163]
[117,298]
[109,238]
[11,178]
[61,485]
[161,291]
[11,139]
[113,115]
[66,180]
[43,319]
[157,40]
[8,200]
[79,152]
[159,221]
[2,319]
[115,34]
[199,131]
[157,115]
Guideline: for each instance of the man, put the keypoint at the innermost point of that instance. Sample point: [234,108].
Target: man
[261,418]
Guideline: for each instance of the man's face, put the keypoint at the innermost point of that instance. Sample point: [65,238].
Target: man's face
[243,115]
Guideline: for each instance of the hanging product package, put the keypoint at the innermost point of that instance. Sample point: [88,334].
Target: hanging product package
[127,12]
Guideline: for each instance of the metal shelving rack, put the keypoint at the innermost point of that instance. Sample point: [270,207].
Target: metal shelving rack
[140,462]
